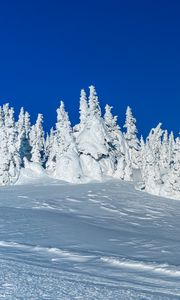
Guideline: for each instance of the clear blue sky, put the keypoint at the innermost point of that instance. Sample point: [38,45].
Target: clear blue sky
[130,50]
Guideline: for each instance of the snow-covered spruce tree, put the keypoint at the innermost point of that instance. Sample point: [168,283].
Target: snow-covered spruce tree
[94,142]
[101,144]
[27,124]
[132,139]
[164,154]
[171,148]
[172,183]
[119,146]
[10,161]
[20,126]
[83,109]
[49,145]
[23,130]
[176,166]
[94,107]
[151,168]
[142,151]
[110,120]
[63,160]
[83,113]
[37,141]
[4,161]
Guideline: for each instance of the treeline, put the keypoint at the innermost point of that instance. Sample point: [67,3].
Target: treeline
[95,148]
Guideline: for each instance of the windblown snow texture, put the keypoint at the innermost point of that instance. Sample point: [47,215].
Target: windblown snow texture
[87,241]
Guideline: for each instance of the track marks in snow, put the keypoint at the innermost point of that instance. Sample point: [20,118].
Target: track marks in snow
[72,200]
[55,252]
[109,209]
[23,197]
[140,266]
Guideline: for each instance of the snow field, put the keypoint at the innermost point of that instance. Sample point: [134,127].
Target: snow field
[89,241]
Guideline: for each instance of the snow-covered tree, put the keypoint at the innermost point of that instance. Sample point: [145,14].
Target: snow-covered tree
[27,124]
[83,109]
[49,143]
[132,139]
[94,142]
[63,160]
[172,184]
[94,108]
[23,143]
[20,125]
[83,113]
[151,169]
[10,161]
[164,153]
[110,120]
[171,148]
[119,145]
[37,141]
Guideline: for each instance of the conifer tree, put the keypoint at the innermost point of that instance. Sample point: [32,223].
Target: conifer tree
[10,161]
[164,153]
[131,138]
[151,169]
[119,146]
[173,183]
[37,141]
[23,143]
[27,124]
[83,108]
[64,159]
[171,148]
[94,108]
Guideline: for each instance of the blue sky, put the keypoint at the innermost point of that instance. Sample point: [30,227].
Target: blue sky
[130,50]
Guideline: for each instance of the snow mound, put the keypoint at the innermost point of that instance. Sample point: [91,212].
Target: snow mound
[32,172]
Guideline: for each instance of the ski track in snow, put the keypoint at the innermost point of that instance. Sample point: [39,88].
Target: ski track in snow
[89,241]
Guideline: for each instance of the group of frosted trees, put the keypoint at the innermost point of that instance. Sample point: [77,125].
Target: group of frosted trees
[96,148]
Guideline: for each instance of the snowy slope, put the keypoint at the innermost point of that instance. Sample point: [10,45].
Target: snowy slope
[90,241]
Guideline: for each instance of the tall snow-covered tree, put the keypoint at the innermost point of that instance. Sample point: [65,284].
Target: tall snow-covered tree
[151,169]
[37,141]
[83,109]
[119,146]
[171,148]
[49,144]
[20,125]
[64,135]
[94,142]
[63,160]
[10,161]
[132,139]
[164,153]
[23,143]
[83,113]
[4,161]
[172,184]
[110,120]
[94,108]
[27,124]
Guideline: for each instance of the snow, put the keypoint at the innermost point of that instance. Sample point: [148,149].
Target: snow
[94,149]
[33,172]
[87,241]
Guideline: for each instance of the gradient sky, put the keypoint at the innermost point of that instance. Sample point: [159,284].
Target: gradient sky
[130,50]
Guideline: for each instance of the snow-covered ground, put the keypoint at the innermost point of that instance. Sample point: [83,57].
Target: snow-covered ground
[89,241]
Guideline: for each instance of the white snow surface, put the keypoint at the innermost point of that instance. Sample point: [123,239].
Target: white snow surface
[87,241]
